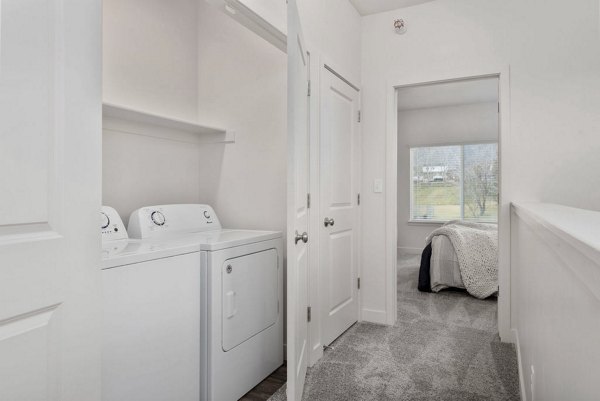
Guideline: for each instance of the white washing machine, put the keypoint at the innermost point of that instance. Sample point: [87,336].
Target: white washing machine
[151,317]
[241,306]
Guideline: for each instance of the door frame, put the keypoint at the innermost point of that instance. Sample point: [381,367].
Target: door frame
[391,181]
[317,67]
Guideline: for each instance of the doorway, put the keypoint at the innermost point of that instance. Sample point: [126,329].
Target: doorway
[447,157]
[471,122]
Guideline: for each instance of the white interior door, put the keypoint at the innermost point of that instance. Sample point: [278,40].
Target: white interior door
[297,222]
[339,178]
[50,158]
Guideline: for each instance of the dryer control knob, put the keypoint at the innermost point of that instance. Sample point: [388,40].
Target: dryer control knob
[105,220]
[158,218]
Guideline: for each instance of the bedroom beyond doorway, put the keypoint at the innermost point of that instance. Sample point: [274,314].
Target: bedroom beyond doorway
[448,185]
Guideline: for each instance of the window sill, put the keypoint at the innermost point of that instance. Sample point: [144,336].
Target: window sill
[426,222]
[441,222]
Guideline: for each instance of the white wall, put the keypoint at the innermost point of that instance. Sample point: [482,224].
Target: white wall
[149,55]
[275,13]
[468,123]
[332,30]
[187,60]
[150,64]
[557,284]
[554,55]
[242,81]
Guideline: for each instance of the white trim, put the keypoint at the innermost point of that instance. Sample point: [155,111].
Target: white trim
[443,144]
[314,331]
[409,250]
[340,71]
[515,335]
[505,194]
[571,230]
[20,233]
[391,163]
[426,222]
[391,205]
[374,316]
[441,222]
[254,22]
[340,76]
[18,325]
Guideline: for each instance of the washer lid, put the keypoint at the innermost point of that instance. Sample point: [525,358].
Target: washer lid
[125,252]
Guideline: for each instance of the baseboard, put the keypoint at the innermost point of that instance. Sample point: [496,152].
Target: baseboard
[515,335]
[507,334]
[409,251]
[374,316]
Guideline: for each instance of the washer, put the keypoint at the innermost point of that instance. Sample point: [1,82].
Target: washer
[151,317]
[241,285]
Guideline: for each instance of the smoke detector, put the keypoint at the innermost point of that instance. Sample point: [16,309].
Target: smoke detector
[399,26]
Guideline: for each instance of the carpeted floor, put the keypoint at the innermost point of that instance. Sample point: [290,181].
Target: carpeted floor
[443,347]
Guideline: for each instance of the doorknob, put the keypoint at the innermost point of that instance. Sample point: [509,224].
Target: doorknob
[303,237]
[329,222]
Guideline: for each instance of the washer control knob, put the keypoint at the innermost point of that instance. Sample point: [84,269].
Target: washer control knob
[158,218]
[206,214]
[105,220]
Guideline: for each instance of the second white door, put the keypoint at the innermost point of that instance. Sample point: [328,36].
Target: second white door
[339,200]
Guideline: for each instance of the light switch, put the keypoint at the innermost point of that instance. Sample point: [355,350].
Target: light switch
[378,185]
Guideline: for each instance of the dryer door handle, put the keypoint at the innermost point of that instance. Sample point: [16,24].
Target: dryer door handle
[231,309]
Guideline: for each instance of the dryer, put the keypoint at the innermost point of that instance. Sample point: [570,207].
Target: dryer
[241,307]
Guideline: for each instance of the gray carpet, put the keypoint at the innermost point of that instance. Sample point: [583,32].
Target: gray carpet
[443,347]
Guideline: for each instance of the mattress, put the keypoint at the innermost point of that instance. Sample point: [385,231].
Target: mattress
[444,268]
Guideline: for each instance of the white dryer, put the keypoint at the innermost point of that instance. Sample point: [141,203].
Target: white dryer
[241,308]
[151,317]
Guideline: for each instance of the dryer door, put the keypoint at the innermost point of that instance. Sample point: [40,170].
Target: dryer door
[250,302]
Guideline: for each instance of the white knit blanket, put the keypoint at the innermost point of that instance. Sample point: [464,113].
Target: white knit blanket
[476,247]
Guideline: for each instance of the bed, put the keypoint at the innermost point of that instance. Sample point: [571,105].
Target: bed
[461,255]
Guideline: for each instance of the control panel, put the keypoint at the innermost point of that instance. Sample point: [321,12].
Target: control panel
[111,225]
[154,221]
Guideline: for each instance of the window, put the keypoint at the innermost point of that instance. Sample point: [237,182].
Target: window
[454,182]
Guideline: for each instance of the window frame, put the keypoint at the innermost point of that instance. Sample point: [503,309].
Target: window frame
[412,220]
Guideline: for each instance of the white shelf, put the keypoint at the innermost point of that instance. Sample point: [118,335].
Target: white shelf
[123,119]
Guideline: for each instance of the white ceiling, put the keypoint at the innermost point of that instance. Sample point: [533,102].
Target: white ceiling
[366,7]
[448,94]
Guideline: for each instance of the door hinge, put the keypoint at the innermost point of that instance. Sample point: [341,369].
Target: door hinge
[359,116]
[308,201]
[358,199]
[309,88]
[358,282]
[308,314]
